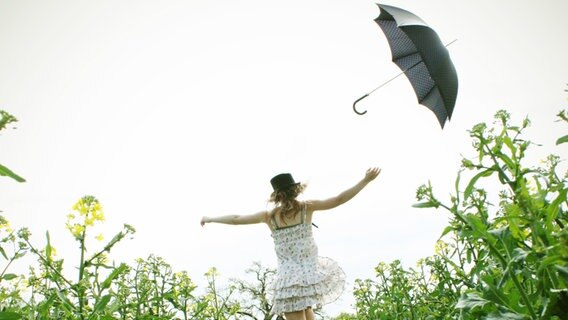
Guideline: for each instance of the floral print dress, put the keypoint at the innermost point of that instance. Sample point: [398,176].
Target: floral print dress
[303,278]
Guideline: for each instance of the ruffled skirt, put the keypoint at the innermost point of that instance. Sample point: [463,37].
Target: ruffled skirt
[300,286]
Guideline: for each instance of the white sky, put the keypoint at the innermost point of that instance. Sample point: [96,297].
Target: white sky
[170,110]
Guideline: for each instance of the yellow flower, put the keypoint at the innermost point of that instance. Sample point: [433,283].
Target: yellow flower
[77,230]
[89,221]
[99,237]
[80,207]
[98,214]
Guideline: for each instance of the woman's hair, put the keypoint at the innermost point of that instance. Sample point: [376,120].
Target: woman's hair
[286,201]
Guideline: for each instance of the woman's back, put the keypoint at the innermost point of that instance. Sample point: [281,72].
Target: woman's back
[294,242]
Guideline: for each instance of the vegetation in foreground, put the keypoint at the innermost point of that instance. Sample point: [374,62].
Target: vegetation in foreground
[503,255]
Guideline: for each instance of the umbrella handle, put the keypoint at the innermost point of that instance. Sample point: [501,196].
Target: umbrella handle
[354,103]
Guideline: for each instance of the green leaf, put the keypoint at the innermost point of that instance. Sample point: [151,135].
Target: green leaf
[457,186]
[8,173]
[471,184]
[562,140]
[500,232]
[9,276]
[552,210]
[44,307]
[471,301]
[497,294]
[48,247]
[504,315]
[7,315]
[476,224]
[562,270]
[3,253]
[100,305]
[512,218]
[510,164]
[510,145]
[65,303]
[428,204]
[115,273]
[447,230]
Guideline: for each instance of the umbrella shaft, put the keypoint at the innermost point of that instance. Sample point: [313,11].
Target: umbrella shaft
[398,75]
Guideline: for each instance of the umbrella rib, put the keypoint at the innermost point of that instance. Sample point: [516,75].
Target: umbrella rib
[418,52]
[407,55]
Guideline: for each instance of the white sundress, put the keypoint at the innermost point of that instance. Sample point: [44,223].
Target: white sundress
[303,279]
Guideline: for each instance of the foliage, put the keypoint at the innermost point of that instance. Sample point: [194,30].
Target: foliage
[149,289]
[504,260]
[406,294]
[503,255]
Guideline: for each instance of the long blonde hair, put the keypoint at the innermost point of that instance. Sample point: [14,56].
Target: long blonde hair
[285,201]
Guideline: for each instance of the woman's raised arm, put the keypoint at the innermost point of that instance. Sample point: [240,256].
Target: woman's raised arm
[346,195]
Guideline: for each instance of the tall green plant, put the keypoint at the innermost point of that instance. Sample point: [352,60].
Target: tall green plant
[55,295]
[425,292]
[504,254]
[220,305]
[518,252]
[12,248]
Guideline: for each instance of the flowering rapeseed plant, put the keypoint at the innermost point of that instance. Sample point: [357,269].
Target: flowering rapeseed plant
[89,211]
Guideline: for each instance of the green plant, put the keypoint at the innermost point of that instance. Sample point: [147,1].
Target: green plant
[53,294]
[517,253]
[150,289]
[504,254]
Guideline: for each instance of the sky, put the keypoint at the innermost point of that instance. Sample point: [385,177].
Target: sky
[170,110]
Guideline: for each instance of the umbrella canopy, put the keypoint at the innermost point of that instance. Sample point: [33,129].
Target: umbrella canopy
[417,50]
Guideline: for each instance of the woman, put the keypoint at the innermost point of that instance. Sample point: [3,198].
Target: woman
[303,278]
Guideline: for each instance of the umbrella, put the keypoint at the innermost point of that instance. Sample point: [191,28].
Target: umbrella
[423,58]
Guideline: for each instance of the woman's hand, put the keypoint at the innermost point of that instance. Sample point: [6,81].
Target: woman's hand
[204,220]
[371,174]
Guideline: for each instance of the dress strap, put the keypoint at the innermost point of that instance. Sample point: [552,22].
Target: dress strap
[304,212]
[274,220]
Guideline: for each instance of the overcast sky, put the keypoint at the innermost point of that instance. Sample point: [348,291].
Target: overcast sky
[170,110]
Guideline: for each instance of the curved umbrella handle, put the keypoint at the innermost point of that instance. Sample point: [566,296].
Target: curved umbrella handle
[354,103]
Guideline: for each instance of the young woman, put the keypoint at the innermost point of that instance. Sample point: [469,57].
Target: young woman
[303,278]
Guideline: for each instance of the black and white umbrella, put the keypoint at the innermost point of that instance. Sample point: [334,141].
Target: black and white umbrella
[423,58]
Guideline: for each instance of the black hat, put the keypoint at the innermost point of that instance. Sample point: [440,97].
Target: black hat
[282,181]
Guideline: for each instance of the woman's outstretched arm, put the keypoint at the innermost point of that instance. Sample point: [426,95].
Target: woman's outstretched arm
[346,195]
[237,219]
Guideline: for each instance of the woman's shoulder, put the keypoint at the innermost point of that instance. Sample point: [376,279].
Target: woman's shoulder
[272,212]
[308,204]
